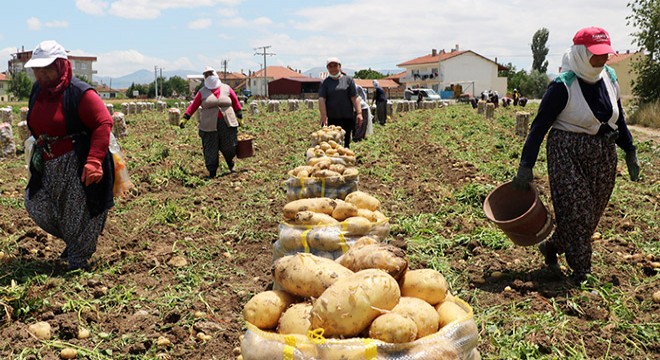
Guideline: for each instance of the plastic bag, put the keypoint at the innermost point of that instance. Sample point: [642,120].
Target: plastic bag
[336,187]
[122,180]
[28,149]
[328,241]
[456,340]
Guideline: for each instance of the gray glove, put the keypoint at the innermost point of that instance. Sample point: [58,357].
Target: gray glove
[523,178]
[633,164]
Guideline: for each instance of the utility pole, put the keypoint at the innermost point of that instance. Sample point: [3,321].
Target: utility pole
[224,65]
[162,81]
[156,79]
[264,53]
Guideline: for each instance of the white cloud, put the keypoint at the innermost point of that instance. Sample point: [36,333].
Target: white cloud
[200,24]
[151,9]
[227,12]
[391,33]
[34,23]
[57,24]
[92,7]
[262,21]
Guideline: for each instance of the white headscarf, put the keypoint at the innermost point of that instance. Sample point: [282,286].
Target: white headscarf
[576,58]
[212,82]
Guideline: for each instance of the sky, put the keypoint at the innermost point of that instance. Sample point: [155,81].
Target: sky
[130,35]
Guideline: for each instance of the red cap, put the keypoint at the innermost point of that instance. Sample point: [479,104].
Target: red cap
[596,39]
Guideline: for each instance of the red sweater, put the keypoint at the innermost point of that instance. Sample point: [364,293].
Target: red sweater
[47,117]
[197,102]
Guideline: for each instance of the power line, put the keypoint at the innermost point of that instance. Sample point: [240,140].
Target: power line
[264,53]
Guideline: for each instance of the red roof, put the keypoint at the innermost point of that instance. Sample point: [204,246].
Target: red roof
[396,76]
[278,72]
[384,83]
[3,77]
[430,58]
[615,58]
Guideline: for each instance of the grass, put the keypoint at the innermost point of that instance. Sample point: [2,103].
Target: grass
[408,164]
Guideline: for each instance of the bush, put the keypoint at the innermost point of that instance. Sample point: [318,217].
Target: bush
[646,115]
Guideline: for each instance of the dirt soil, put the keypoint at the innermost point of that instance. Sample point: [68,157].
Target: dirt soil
[247,265]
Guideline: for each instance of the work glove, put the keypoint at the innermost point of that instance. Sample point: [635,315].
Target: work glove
[633,164]
[183,121]
[239,114]
[92,172]
[523,178]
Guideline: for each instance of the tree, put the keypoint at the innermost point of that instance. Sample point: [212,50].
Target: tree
[539,50]
[646,17]
[368,74]
[534,84]
[20,85]
[178,84]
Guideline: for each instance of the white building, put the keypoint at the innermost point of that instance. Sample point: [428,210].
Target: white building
[440,70]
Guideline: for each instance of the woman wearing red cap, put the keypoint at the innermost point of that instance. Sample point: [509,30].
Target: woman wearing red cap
[69,192]
[582,112]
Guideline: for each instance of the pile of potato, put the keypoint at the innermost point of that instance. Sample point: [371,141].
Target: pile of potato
[331,150]
[328,227]
[332,132]
[369,292]
[322,179]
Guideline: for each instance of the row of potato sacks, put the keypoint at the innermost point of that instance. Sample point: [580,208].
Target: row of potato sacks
[339,292]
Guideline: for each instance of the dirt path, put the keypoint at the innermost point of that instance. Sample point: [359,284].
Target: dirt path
[641,133]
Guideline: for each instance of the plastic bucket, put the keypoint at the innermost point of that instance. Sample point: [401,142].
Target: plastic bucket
[519,213]
[244,148]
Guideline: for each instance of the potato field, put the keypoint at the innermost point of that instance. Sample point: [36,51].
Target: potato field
[182,256]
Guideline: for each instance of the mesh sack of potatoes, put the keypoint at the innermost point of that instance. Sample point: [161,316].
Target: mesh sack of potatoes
[323,179]
[325,310]
[332,151]
[328,227]
[326,133]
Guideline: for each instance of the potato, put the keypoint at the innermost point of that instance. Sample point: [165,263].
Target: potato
[265,308]
[344,210]
[426,284]
[363,200]
[296,171]
[367,214]
[386,257]
[393,328]
[357,226]
[350,174]
[326,238]
[448,312]
[326,173]
[319,205]
[365,240]
[379,216]
[349,305]
[422,313]
[313,218]
[296,319]
[339,168]
[307,275]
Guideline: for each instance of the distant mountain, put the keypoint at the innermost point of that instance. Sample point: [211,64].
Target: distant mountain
[139,77]
[314,72]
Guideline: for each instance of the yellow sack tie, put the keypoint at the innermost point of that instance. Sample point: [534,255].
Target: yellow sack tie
[316,336]
[289,348]
[302,187]
[370,351]
[342,238]
[303,239]
[322,187]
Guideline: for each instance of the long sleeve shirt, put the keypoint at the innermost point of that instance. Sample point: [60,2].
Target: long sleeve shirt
[553,103]
[197,102]
[47,117]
